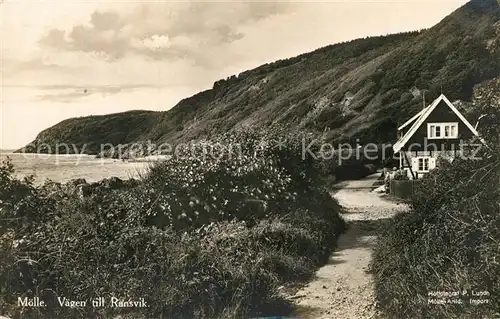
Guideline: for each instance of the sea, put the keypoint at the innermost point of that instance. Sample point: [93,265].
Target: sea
[62,168]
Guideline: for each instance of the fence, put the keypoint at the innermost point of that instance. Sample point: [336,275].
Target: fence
[402,188]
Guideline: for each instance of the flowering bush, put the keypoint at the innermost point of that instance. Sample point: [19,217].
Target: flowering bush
[204,237]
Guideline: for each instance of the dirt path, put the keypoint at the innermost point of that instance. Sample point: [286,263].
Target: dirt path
[343,288]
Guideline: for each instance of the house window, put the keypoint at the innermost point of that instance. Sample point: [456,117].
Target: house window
[454,130]
[423,164]
[451,130]
[432,131]
[442,130]
[438,131]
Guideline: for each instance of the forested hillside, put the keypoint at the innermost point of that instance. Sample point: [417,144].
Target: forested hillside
[361,89]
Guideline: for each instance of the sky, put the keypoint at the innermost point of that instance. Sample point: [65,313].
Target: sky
[70,58]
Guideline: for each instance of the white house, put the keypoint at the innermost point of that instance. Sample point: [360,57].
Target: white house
[437,131]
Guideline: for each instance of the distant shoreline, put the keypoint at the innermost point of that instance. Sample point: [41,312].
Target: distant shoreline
[14,152]
[144,159]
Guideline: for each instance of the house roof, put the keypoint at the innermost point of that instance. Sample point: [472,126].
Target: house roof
[423,115]
[412,119]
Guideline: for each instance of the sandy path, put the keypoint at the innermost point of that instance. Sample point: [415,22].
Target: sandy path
[343,288]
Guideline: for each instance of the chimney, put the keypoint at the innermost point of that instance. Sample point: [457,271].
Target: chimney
[423,100]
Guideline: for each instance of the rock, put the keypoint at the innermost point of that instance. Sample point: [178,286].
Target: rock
[380,189]
[83,190]
[77,181]
[112,183]
[324,287]
[348,97]
[415,92]
[78,187]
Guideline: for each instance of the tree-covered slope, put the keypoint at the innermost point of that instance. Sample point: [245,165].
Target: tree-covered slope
[361,89]
[87,134]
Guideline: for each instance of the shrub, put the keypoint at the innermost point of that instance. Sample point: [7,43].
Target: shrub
[196,237]
[447,242]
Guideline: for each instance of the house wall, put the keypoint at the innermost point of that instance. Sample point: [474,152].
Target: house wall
[445,155]
[448,154]
[442,113]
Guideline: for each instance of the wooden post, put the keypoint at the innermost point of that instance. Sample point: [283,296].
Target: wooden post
[409,165]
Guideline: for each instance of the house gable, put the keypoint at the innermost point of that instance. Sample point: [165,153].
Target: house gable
[441,110]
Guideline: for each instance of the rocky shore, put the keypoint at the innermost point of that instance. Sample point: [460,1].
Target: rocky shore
[83,189]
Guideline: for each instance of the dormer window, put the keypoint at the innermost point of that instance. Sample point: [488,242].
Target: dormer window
[442,130]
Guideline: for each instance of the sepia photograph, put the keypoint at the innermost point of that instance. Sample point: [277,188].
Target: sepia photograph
[250,159]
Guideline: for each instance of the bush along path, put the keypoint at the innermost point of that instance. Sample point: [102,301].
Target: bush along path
[343,288]
[441,259]
[196,237]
